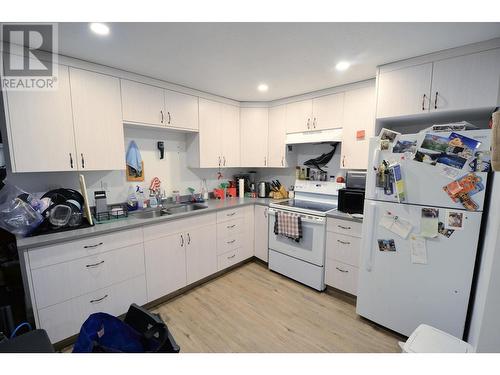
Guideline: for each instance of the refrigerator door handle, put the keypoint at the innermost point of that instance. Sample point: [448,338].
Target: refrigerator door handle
[370,211]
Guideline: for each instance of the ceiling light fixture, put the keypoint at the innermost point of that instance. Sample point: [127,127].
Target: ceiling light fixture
[263,87]
[99,28]
[342,65]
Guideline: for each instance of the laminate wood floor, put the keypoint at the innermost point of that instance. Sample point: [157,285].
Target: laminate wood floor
[252,309]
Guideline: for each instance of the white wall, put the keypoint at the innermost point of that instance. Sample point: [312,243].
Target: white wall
[484,331]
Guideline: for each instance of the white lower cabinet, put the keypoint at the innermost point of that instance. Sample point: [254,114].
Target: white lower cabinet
[261,236]
[201,253]
[343,244]
[65,319]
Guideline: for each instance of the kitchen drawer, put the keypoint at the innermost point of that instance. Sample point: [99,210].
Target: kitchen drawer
[229,243]
[65,319]
[230,228]
[228,259]
[350,228]
[87,274]
[341,276]
[231,214]
[66,251]
[167,228]
[343,248]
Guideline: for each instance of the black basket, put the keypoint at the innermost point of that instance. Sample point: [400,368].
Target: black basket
[152,327]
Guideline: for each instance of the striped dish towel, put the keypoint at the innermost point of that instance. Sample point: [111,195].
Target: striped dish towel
[289,225]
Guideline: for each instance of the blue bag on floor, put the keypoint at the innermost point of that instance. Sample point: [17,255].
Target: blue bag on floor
[102,332]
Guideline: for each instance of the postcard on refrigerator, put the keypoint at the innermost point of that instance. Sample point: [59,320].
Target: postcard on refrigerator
[463,141]
[386,245]
[454,220]
[390,135]
[396,225]
[402,147]
[445,232]
[418,250]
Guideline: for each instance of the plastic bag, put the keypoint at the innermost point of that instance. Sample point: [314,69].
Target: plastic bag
[19,213]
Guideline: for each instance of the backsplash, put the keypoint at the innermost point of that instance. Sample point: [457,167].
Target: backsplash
[172,171]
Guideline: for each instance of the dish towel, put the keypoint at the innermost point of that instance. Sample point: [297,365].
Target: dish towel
[134,159]
[288,225]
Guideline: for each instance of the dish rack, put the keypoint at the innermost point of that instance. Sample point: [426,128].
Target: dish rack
[115,212]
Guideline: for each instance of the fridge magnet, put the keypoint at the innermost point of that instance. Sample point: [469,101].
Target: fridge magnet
[402,147]
[386,245]
[444,231]
[384,144]
[389,135]
[454,220]
[418,250]
[463,188]
[429,222]
[396,175]
[481,162]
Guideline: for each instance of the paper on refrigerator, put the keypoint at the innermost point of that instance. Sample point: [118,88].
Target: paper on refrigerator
[418,249]
[396,225]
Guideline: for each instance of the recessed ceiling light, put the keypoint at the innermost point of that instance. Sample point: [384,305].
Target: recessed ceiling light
[263,87]
[342,65]
[99,28]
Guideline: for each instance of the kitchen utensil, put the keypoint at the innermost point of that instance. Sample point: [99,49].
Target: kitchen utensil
[262,190]
[101,204]
[86,207]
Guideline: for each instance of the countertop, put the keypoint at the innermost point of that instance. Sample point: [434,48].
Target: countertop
[214,205]
[24,243]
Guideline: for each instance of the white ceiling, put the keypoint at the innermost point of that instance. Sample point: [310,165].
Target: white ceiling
[231,59]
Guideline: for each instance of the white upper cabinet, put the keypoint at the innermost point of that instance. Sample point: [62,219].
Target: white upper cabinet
[328,112]
[97,119]
[209,135]
[143,104]
[465,82]
[181,110]
[230,136]
[404,91]
[359,115]
[298,116]
[276,138]
[254,137]
[40,128]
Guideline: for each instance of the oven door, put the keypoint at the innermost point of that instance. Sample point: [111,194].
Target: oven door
[310,248]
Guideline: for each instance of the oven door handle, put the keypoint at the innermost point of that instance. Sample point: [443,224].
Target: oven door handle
[304,218]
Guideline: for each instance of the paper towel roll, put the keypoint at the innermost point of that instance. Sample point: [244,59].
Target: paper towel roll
[495,142]
[241,187]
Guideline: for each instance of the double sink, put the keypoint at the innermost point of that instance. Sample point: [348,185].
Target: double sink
[169,210]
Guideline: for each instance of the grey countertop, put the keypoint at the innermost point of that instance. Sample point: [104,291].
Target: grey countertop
[134,222]
[131,221]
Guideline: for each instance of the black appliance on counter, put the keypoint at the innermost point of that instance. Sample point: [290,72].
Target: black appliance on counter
[351,198]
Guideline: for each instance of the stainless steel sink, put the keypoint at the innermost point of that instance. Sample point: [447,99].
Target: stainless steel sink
[150,214]
[181,208]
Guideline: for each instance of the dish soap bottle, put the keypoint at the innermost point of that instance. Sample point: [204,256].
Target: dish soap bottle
[132,203]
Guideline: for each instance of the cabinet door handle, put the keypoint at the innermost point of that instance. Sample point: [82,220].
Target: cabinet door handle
[231,226]
[95,264]
[436,101]
[92,246]
[230,242]
[423,102]
[219,161]
[342,227]
[189,238]
[265,213]
[83,161]
[182,240]
[282,161]
[265,160]
[70,160]
[98,299]
[232,256]
[308,123]
[169,117]
[231,214]
[344,242]
[341,270]
[161,113]
[224,161]
[314,123]
[343,161]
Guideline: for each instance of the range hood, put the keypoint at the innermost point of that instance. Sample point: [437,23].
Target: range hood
[319,136]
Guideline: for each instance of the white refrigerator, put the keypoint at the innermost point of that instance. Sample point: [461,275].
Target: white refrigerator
[411,285]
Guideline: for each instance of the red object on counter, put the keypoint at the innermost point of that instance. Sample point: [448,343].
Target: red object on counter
[219,194]
[231,192]
[340,179]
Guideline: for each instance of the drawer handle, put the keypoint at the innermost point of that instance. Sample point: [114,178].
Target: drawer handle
[341,226]
[344,242]
[95,264]
[232,256]
[99,299]
[341,270]
[233,241]
[231,226]
[92,246]
[231,214]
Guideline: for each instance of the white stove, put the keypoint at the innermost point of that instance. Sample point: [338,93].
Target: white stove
[304,260]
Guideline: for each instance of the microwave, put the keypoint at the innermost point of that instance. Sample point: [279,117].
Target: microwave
[351,200]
